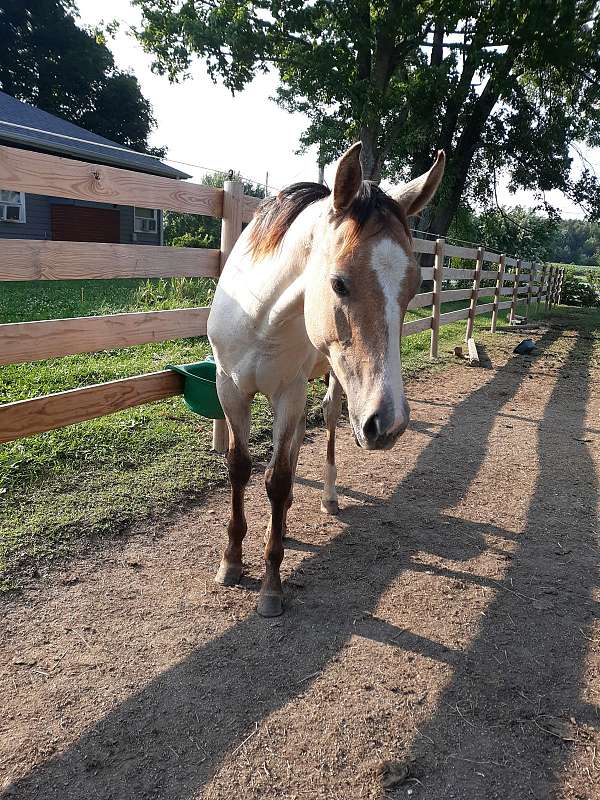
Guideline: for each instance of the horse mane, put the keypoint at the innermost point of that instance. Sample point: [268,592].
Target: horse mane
[276,214]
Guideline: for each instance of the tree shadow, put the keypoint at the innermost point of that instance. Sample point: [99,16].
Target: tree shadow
[519,684]
[169,738]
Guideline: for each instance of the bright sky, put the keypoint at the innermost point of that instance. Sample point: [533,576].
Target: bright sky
[201,123]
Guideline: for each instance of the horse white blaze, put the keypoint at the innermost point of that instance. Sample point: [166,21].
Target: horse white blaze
[390,263]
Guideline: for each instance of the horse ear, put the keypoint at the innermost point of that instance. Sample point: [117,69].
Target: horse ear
[414,196]
[348,178]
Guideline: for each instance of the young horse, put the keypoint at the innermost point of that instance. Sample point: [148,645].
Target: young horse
[318,282]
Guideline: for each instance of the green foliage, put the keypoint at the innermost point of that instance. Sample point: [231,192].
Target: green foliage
[500,86]
[577,242]
[580,287]
[191,230]
[49,61]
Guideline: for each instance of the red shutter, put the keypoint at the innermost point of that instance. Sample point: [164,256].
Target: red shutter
[84,224]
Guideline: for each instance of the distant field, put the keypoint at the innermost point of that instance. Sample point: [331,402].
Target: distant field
[100,476]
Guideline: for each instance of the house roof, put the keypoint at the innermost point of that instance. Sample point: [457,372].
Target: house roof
[22,125]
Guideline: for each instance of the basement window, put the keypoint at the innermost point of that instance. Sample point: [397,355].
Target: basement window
[12,206]
[145,220]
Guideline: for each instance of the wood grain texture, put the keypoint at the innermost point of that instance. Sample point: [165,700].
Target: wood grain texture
[458,274]
[416,326]
[493,258]
[421,300]
[484,308]
[426,273]
[26,417]
[504,304]
[461,252]
[39,173]
[43,260]
[249,206]
[456,294]
[32,341]
[452,316]
[423,246]
[488,274]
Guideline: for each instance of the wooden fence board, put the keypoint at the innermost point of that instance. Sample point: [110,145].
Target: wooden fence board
[456,294]
[26,417]
[426,273]
[249,206]
[484,308]
[416,326]
[423,246]
[504,304]
[31,260]
[39,173]
[488,274]
[460,252]
[421,300]
[493,258]
[32,341]
[452,316]
[458,274]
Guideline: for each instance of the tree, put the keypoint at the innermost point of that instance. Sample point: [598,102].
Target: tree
[502,87]
[52,63]
[514,231]
[191,230]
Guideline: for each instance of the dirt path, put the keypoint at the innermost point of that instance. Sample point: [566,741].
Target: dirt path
[447,621]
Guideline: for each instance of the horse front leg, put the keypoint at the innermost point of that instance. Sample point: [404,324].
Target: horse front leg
[288,408]
[332,406]
[237,412]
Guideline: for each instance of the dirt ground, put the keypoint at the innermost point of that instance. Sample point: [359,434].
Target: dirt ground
[441,638]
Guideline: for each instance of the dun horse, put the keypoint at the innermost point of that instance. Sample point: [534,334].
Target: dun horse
[318,282]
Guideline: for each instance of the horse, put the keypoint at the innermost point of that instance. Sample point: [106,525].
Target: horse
[317,283]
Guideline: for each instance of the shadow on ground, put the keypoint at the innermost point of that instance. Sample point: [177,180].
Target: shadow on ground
[147,747]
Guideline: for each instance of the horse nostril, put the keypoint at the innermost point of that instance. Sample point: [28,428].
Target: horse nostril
[372,427]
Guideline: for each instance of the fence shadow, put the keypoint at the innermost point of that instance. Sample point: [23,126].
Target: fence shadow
[525,667]
[148,746]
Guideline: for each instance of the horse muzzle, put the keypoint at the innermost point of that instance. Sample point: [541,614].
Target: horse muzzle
[380,429]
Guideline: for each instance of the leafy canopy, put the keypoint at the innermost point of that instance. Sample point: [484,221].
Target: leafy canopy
[49,61]
[502,86]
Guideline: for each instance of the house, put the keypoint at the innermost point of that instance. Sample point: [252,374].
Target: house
[30,216]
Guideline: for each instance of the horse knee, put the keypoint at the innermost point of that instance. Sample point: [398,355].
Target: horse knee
[239,466]
[278,481]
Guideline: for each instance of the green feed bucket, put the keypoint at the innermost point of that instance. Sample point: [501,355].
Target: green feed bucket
[200,387]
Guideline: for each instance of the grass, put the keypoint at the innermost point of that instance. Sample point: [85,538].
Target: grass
[99,477]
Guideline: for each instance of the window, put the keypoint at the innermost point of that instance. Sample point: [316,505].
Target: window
[145,220]
[12,206]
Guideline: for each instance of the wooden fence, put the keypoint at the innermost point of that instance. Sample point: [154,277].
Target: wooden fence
[27,260]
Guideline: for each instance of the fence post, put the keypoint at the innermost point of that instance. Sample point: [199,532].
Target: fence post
[474,294]
[499,282]
[513,307]
[561,275]
[529,288]
[438,277]
[549,289]
[231,227]
[540,290]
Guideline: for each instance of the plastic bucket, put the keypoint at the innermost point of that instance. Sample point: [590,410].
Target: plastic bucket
[200,387]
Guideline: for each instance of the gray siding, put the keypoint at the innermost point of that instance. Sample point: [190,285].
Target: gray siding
[37,225]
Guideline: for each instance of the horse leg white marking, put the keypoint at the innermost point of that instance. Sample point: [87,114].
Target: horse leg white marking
[288,410]
[332,406]
[237,411]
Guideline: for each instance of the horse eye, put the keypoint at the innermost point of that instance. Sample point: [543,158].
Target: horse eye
[339,286]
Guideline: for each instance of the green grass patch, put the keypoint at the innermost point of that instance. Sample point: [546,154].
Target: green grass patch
[97,478]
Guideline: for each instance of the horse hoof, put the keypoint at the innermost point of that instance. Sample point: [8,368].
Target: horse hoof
[228,574]
[270,605]
[330,507]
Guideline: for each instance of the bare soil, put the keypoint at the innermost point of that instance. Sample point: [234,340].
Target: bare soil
[441,637]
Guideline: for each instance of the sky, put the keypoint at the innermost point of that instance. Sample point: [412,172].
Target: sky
[202,124]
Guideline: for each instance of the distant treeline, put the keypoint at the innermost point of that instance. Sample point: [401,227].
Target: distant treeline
[525,233]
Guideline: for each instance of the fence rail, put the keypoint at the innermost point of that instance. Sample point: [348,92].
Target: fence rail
[26,260]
